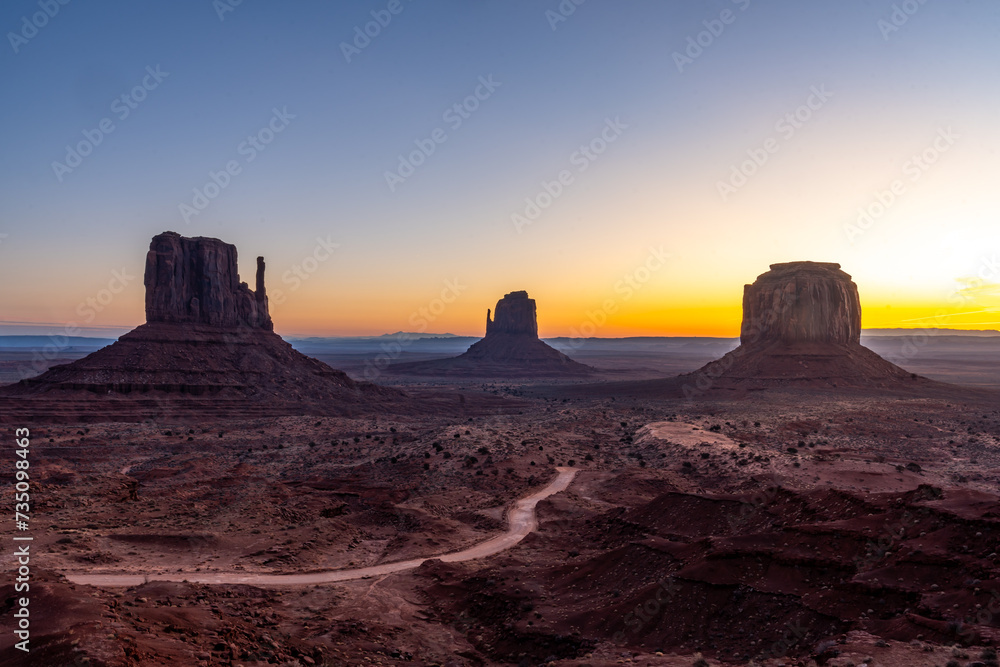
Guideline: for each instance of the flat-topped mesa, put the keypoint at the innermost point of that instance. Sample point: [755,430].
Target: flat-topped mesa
[195,280]
[802,302]
[801,328]
[515,314]
[510,349]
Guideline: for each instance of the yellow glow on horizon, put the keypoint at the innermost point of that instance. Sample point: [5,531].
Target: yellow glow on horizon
[655,315]
[713,319]
[681,299]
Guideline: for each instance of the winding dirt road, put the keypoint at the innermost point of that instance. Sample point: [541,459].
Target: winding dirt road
[521,520]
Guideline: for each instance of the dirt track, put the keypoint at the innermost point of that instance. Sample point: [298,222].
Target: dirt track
[521,520]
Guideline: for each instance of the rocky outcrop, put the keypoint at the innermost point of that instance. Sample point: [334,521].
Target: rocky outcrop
[801,327]
[196,281]
[207,349]
[515,314]
[802,302]
[511,348]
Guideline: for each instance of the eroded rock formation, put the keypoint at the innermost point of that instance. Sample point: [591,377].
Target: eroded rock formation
[208,348]
[801,327]
[196,281]
[515,314]
[802,302]
[511,348]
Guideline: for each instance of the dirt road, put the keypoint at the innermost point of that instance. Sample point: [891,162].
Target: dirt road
[521,520]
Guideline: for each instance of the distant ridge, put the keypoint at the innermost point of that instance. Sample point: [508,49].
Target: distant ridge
[511,348]
[53,340]
[409,335]
[37,341]
[930,332]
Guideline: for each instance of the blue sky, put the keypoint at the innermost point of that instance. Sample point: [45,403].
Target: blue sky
[554,86]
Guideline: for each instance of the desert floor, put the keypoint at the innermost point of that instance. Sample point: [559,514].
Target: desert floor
[795,528]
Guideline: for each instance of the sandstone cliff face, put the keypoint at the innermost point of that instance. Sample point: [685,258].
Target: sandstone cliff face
[801,328]
[515,314]
[208,349]
[195,281]
[510,349]
[801,302]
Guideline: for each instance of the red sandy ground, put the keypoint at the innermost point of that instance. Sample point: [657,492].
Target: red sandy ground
[797,529]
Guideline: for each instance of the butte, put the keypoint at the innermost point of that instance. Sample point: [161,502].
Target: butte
[511,348]
[208,348]
[801,328]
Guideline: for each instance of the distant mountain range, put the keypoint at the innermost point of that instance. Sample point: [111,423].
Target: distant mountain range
[399,334]
[930,332]
[33,342]
[85,343]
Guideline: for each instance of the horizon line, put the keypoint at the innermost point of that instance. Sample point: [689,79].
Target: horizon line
[109,332]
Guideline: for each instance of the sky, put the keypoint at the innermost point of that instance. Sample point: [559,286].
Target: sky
[402,164]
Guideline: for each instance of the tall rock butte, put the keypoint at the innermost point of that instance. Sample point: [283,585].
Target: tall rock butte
[515,315]
[207,349]
[511,348]
[801,326]
[195,281]
[802,302]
